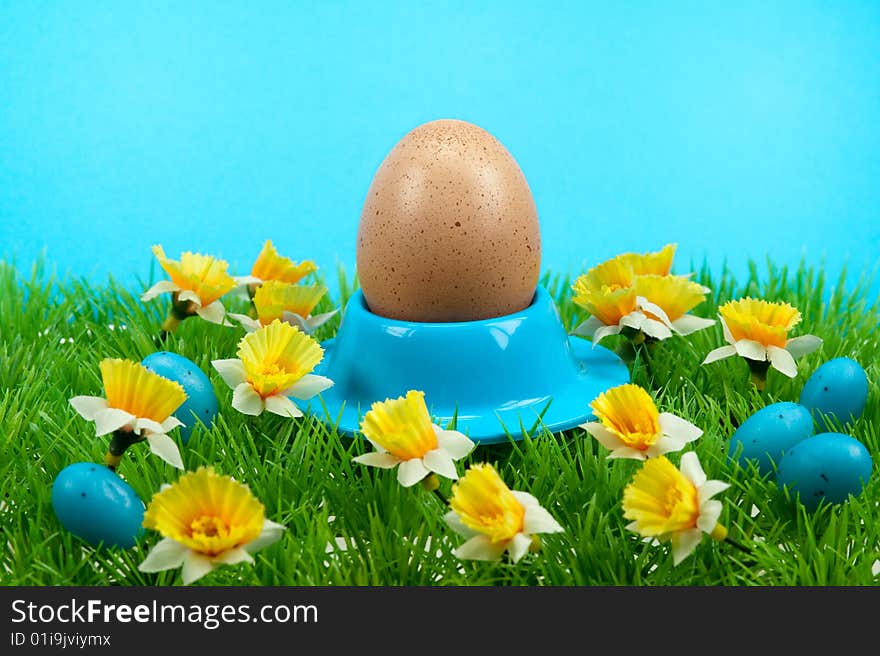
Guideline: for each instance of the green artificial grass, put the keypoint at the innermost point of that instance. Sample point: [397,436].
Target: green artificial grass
[54,333]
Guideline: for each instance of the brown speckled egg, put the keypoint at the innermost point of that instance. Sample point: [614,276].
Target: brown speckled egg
[449,229]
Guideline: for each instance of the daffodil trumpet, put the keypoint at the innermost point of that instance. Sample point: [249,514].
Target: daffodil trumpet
[292,304]
[270,265]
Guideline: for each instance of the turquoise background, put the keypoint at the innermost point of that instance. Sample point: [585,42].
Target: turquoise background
[735,129]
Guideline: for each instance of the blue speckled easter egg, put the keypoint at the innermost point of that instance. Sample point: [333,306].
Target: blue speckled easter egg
[97,506]
[201,403]
[828,466]
[836,393]
[769,433]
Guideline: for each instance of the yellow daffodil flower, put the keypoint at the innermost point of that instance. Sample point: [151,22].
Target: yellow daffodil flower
[269,265]
[758,330]
[608,293]
[139,404]
[206,520]
[495,518]
[676,296]
[404,437]
[273,364]
[197,283]
[630,426]
[658,263]
[675,506]
[292,304]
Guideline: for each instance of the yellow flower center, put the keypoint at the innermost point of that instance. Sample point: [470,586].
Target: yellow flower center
[485,504]
[661,499]
[676,295]
[606,292]
[206,512]
[401,426]
[205,275]
[274,297]
[658,263]
[764,322]
[131,387]
[272,266]
[629,412]
[276,356]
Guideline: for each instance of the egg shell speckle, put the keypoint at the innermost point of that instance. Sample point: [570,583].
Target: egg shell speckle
[449,230]
[836,393]
[769,433]
[201,403]
[97,506]
[828,466]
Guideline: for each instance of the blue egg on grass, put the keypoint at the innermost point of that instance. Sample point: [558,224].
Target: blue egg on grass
[828,466]
[769,433]
[836,393]
[201,403]
[97,506]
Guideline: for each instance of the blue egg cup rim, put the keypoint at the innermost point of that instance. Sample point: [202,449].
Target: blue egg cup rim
[493,379]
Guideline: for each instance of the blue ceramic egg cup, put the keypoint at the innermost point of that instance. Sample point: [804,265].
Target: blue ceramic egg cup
[496,376]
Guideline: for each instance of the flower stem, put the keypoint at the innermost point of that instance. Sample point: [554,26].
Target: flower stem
[758,369]
[720,534]
[120,441]
[432,484]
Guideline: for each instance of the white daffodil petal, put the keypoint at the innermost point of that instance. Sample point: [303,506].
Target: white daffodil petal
[803,345]
[296,321]
[233,557]
[710,511]
[480,547]
[602,435]
[688,324]
[627,452]
[247,401]
[110,420]
[634,320]
[142,425]
[719,354]
[271,533]
[166,448]
[519,547]
[588,328]
[282,406]
[678,428]
[308,386]
[728,336]
[782,361]
[604,332]
[454,522]
[248,323]
[538,520]
[191,296]
[214,313]
[656,329]
[692,470]
[195,566]
[654,309]
[318,320]
[438,461]
[377,459]
[231,371]
[709,489]
[665,445]
[161,287]
[88,406]
[167,554]
[411,472]
[247,280]
[684,543]
[457,445]
[170,424]
[525,499]
[749,348]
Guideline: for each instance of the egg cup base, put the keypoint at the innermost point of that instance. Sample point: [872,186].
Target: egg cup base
[494,380]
